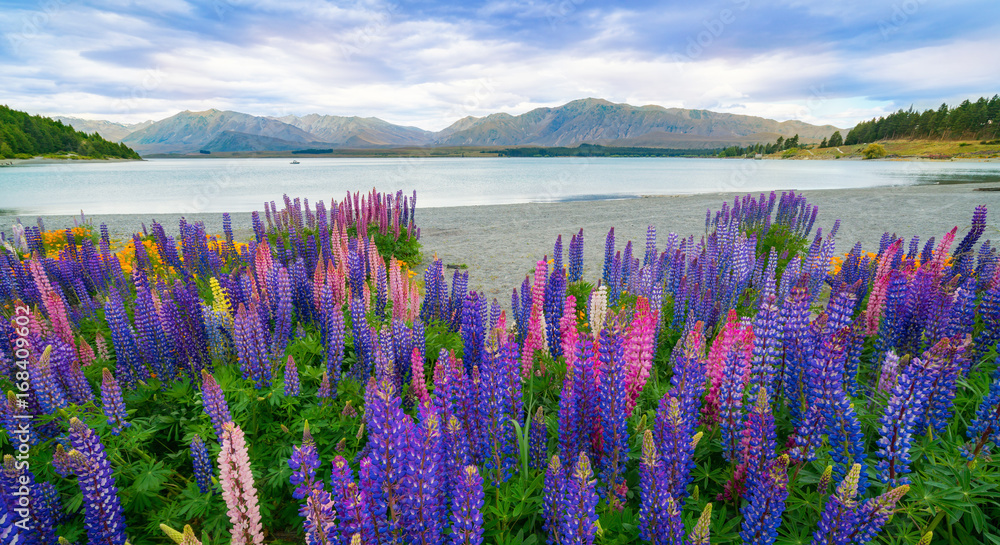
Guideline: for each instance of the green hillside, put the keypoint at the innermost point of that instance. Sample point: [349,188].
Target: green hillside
[23,136]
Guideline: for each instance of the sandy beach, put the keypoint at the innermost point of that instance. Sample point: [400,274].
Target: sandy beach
[500,244]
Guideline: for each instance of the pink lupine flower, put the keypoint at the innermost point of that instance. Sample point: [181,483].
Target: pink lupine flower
[535,339]
[568,332]
[417,384]
[639,352]
[85,352]
[238,489]
[880,287]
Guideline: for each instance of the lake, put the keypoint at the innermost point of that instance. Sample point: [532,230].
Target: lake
[242,185]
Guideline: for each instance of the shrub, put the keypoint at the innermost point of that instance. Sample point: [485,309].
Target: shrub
[874,151]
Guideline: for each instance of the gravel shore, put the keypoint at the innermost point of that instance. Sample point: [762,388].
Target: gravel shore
[500,244]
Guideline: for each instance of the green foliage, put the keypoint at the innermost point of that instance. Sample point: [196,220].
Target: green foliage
[23,136]
[874,151]
[979,120]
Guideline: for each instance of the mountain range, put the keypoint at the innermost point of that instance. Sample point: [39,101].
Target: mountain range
[594,121]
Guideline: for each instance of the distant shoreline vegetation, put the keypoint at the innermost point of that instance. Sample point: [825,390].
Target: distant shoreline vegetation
[23,136]
[594,150]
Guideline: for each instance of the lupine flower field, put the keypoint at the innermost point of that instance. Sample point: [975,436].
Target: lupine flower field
[759,382]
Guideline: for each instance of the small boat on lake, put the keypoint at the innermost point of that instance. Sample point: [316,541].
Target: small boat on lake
[294,162]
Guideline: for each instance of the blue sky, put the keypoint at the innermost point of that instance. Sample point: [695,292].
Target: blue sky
[429,63]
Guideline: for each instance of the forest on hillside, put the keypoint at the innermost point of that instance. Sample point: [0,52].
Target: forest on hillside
[23,136]
[979,120]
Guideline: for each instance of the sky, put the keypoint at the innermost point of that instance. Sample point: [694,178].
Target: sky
[429,63]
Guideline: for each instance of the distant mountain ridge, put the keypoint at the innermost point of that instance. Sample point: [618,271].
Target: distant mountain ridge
[594,121]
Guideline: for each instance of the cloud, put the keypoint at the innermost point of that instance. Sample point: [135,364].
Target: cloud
[429,63]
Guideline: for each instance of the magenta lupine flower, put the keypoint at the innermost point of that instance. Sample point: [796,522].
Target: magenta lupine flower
[765,505]
[111,401]
[639,349]
[238,488]
[580,504]
[214,402]
[202,464]
[535,339]
[104,521]
[466,509]
[568,334]
[418,384]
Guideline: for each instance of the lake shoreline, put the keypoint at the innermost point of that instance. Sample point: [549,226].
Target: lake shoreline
[500,243]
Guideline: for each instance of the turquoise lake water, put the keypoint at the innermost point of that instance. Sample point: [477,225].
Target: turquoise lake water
[242,185]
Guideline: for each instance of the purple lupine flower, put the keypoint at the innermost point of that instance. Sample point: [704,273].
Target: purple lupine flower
[38,518]
[846,438]
[569,417]
[421,487]
[576,258]
[759,439]
[840,516]
[129,365]
[538,439]
[292,384]
[906,404]
[613,410]
[466,509]
[111,401]
[214,402]
[318,511]
[344,493]
[580,504]
[985,426]
[388,427]
[609,255]
[203,470]
[874,513]
[765,505]
[364,343]
[674,433]
[659,516]
[48,392]
[553,506]
[104,518]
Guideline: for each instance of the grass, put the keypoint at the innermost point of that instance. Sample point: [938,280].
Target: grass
[928,149]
